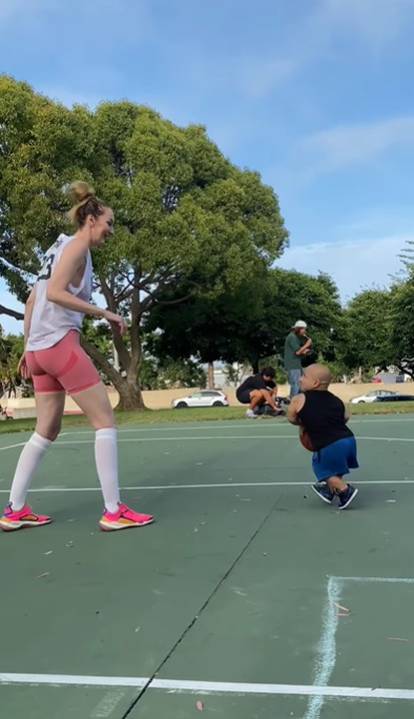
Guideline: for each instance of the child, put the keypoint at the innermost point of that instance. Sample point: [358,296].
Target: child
[323,417]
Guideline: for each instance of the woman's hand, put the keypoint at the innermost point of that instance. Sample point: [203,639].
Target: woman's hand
[22,367]
[117,321]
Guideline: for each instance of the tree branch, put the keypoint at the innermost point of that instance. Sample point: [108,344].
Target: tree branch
[12,313]
[152,299]
[136,312]
[120,347]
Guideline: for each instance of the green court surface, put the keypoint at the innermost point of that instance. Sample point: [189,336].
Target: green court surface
[247,598]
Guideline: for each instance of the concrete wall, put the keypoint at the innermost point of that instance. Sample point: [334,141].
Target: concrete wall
[161,399]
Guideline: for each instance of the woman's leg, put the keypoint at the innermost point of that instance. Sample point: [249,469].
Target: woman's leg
[95,404]
[49,408]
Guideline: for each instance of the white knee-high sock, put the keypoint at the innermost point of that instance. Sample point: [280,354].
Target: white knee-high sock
[106,457]
[29,461]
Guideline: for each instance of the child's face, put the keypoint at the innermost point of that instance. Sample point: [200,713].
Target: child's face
[308,381]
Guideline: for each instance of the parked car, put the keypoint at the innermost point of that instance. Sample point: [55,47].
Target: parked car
[204,398]
[396,397]
[373,396]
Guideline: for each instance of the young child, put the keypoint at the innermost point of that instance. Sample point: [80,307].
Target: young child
[323,417]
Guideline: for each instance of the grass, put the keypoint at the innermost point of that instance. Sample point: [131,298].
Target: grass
[148,416]
[382,408]
[158,416]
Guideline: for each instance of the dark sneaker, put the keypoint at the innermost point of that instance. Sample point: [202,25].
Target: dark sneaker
[323,491]
[347,496]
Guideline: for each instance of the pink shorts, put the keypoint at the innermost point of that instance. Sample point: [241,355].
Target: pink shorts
[65,367]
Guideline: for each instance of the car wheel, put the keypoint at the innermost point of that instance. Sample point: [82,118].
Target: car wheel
[181,405]
[361,401]
[218,404]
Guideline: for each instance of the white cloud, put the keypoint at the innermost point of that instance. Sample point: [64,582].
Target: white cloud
[354,265]
[376,22]
[348,145]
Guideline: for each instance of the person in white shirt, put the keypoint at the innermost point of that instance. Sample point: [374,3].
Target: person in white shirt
[57,364]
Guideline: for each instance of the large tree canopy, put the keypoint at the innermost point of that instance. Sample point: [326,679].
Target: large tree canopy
[183,211]
[250,322]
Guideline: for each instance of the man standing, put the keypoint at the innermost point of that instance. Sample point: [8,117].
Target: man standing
[296,346]
[259,389]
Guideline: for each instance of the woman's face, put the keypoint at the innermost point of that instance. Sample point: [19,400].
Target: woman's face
[101,227]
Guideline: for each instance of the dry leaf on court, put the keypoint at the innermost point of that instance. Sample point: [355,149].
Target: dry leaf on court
[343,609]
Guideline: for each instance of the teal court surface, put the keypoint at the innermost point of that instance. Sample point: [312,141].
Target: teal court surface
[248,598]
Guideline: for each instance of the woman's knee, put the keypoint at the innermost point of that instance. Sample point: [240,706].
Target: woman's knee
[104,422]
[101,417]
[50,432]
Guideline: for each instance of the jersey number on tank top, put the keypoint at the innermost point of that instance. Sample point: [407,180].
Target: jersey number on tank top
[46,270]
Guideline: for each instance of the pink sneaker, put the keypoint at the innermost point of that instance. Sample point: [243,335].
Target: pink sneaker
[25,517]
[123,519]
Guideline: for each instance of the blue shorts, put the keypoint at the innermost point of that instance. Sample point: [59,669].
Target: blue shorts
[336,459]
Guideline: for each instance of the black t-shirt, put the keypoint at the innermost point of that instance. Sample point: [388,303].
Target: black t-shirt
[323,416]
[255,381]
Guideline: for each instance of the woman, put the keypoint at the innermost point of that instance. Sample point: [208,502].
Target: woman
[58,365]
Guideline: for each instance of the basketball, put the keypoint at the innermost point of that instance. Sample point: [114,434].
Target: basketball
[305,440]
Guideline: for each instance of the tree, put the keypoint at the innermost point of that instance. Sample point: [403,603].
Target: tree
[251,322]
[402,325]
[182,209]
[366,340]
[11,348]
[171,373]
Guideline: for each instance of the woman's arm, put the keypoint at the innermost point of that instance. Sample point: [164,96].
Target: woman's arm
[70,263]
[28,311]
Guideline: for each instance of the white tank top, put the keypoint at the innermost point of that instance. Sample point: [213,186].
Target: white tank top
[50,321]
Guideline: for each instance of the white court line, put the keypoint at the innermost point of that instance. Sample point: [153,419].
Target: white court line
[202,687]
[171,428]
[72,680]
[325,662]
[182,439]
[11,446]
[224,437]
[220,425]
[214,485]
[223,423]
[206,437]
[174,685]
[383,580]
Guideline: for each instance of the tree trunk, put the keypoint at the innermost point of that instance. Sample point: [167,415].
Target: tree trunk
[210,375]
[130,395]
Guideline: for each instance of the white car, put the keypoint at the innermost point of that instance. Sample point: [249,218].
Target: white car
[372,396]
[204,398]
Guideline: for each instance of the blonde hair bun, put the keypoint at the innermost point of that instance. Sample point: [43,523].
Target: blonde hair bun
[80,191]
[84,203]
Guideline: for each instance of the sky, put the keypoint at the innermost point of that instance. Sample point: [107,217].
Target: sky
[316,95]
